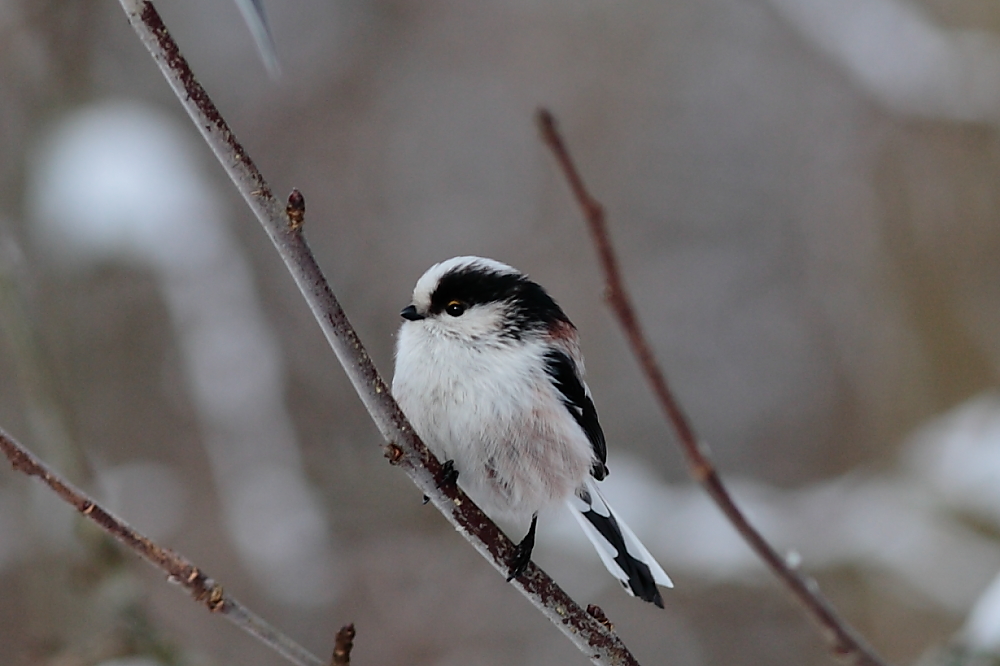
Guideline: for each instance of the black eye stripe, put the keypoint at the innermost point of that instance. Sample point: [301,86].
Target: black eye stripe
[475,287]
[529,306]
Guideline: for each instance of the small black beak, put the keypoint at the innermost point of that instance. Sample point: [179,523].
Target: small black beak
[410,313]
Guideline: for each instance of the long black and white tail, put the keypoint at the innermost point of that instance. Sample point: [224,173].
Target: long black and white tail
[620,550]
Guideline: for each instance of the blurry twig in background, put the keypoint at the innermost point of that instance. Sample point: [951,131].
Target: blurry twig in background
[845,641]
[180,570]
[343,646]
[403,447]
[253,14]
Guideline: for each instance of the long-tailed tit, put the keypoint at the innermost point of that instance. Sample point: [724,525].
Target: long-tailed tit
[489,372]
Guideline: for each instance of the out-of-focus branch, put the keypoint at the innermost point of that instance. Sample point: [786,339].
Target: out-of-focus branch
[178,569]
[343,646]
[402,447]
[256,19]
[844,640]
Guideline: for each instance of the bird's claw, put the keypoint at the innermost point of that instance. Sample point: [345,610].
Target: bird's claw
[519,561]
[449,475]
[521,556]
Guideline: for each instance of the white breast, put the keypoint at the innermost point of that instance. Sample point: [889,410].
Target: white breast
[492,409]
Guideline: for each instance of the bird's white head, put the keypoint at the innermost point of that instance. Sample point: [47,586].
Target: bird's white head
[480,300]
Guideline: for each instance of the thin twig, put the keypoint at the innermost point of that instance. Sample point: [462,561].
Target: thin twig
[402,447]
[343,646]
[178,569]
[844,640]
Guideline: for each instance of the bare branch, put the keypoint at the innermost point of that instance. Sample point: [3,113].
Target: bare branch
[844,640]
[402,447]
[178,569]
[343,646]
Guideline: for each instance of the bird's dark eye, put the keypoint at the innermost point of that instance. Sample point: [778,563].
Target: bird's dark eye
[455,308]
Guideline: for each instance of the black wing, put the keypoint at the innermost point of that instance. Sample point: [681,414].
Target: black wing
[562,369]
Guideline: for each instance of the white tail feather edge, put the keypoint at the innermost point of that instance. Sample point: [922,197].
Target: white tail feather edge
[605,550]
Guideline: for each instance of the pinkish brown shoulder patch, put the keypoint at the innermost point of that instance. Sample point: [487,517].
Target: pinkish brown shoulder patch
[562,330]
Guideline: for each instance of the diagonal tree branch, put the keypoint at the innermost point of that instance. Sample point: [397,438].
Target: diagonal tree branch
[844,640]
[179,570]
[402,447]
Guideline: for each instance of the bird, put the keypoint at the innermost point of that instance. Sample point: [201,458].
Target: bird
[489,372]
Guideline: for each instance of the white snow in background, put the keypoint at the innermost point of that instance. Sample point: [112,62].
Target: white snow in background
[903,523]
[896,54]
[981,632]
[958,457]
[122,181]
[145,493]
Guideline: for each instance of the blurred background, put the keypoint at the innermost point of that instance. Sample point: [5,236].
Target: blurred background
[804,196]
